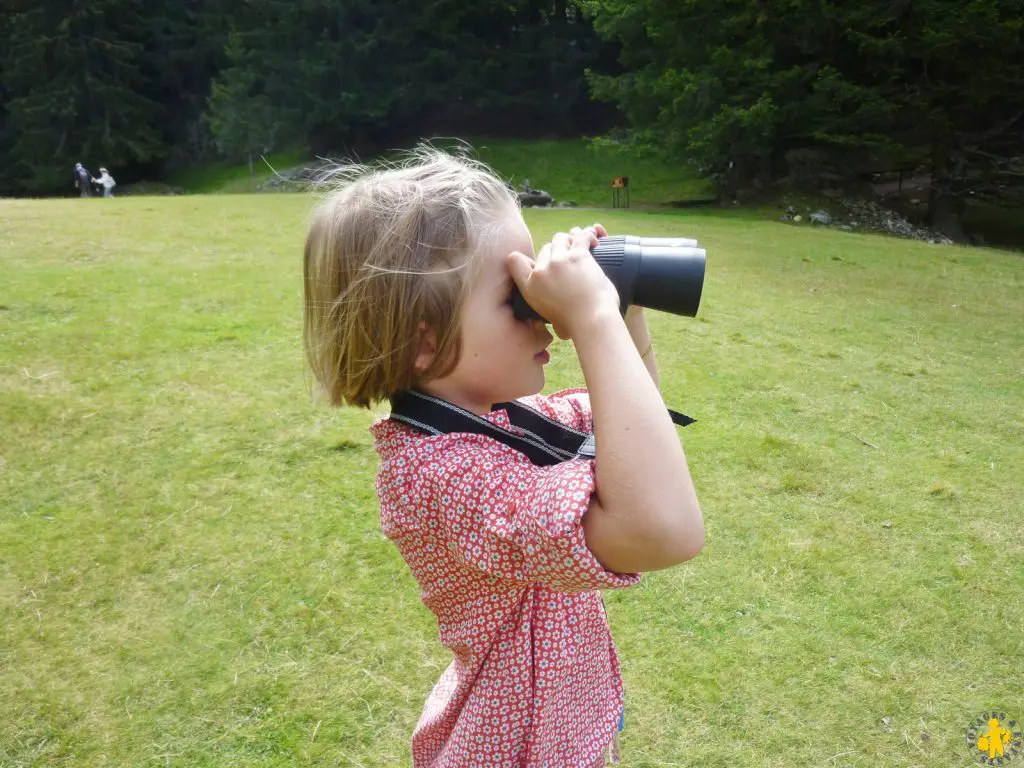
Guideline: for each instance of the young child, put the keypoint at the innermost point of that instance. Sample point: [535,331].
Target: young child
[408,276]
[107,182]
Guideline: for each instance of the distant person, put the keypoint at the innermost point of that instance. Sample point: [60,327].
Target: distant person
[409,273]
[107,182]
[83,181]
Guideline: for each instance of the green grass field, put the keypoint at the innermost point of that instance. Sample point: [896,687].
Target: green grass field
[191,572]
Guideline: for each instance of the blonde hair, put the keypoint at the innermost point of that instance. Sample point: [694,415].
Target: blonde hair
[389,248]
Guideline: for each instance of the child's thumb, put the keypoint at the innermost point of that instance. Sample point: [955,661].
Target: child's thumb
[520,266]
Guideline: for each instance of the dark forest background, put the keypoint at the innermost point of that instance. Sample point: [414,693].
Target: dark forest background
[749,92]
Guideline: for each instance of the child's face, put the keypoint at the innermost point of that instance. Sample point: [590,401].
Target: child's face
[502,358]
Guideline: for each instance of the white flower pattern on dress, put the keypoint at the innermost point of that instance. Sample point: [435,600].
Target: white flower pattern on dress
[497,547]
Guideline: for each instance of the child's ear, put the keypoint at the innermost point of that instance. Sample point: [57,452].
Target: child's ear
[426,347]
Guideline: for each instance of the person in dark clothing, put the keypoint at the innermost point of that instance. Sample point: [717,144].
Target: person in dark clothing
[83,180]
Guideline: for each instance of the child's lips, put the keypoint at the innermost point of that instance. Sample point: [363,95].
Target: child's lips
[542,357]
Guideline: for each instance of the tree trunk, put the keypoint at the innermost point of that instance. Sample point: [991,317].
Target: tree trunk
[252,171]
[945,205]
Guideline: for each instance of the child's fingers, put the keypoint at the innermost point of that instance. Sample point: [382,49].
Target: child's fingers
[554,250]
[584,244]
[520,266]
[543,257]
[590,233]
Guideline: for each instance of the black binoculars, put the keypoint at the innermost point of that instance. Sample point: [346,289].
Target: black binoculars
[663,273]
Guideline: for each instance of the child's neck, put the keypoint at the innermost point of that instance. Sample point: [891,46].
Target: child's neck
[472,402]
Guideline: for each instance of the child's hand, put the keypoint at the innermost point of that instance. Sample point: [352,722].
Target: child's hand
[593,232]
[565,284]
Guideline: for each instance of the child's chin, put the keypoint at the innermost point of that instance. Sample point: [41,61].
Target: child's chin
[538,385]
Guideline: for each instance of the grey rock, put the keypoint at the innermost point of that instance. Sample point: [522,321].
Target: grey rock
[535,198]
[821,217]
[873,217]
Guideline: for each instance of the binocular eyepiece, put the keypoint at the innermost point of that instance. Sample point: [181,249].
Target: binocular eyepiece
[663,273]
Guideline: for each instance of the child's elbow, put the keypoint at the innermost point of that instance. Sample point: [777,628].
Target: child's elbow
[639,539]
[691,545]
[683,540]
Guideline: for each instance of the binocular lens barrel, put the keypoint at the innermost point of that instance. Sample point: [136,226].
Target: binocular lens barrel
[660,273]
[656,242]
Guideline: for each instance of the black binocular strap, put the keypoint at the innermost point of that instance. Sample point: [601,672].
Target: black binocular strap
[544,441]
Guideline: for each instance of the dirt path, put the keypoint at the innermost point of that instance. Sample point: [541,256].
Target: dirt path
[912,187]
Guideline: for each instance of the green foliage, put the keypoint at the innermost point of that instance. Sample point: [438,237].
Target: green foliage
[730,87]
[242,117]
[147,88]
[735,85]
[77,90]
[119,83]
[358,73]
[952,71]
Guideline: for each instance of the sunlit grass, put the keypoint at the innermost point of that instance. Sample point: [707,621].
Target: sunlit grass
[191,571]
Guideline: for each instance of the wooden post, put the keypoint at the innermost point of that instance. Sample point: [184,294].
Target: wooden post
[620,189]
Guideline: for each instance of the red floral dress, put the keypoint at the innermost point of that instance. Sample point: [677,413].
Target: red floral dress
[497,547]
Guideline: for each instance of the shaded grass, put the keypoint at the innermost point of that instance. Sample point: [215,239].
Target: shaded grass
[191,571]
[575,170]
[570,169]
[232,178]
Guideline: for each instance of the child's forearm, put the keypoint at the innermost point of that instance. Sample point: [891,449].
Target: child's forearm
[636,322]
[647,515]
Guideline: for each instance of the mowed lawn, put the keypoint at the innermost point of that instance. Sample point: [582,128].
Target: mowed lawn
[191,571]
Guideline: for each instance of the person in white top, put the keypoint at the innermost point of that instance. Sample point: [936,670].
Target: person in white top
[107,182]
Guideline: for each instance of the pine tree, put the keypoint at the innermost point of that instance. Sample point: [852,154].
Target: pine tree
[736,84]
[243,121]
[76,89]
